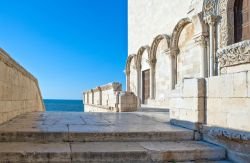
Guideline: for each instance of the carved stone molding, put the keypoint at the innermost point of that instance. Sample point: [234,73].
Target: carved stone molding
[235,54]
[226,13]
[209,8]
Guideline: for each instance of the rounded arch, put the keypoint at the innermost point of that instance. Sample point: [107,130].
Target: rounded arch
[155,44]
[128,62]
[177,31]
[140,53]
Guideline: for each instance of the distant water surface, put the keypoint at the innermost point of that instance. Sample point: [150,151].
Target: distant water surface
[64,105]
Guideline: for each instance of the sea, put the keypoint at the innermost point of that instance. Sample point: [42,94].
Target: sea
[64,105]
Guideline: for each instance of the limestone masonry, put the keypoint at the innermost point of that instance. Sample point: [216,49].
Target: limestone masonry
[187,95]
[19,90]
[193,57]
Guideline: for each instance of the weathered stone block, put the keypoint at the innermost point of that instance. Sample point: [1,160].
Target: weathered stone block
[194,88]
[240,84]
[221,86]
[217,118]
[239,120]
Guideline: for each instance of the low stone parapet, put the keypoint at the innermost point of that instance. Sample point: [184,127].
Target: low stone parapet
[109,98]
[19,89]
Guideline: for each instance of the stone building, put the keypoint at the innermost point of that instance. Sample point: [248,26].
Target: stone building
[193,57]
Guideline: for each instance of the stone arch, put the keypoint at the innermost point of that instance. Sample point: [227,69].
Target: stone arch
[140,53]
[158,55]
[155,44]
[128,62]
[176,33]
[142,64]
[128,70]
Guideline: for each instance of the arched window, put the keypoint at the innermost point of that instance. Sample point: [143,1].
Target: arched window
[241,20]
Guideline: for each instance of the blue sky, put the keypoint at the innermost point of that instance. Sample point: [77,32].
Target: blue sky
[69,45]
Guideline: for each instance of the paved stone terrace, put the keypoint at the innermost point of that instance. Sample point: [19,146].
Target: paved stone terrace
[143,136]
[91,122]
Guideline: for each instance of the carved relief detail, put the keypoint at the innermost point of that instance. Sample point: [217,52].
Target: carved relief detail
[209,8]
[226,13]
[235,54]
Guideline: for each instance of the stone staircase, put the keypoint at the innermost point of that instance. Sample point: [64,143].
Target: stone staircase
[101,137]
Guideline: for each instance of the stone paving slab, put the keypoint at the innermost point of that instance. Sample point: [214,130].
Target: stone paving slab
[70,126]
[110,152]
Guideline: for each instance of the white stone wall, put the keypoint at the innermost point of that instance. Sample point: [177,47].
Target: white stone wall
[228,101]
[19,90]
[148,18]
[162,72]
[187,103]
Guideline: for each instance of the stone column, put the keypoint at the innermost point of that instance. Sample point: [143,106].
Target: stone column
[87,97]
[100,95]
[138,84]
[152,79]
[173,68]
[172,72]
[127,72]
[201,41]
[93,96]
[211,20]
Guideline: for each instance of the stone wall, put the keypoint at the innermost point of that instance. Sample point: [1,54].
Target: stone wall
[146,19]
[19,90]
[228,101]
[196,68]
[109,98]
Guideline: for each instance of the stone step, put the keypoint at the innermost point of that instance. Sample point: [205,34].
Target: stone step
[22,136]
[113,152]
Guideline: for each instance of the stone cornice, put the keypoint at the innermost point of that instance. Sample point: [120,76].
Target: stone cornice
[235,54]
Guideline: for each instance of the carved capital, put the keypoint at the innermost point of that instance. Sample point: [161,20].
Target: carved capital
[174,51]
[152,63]
[211,19]
[201,40]
[235,54]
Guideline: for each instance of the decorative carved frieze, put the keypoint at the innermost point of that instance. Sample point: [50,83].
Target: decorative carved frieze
[209,8]
[235,54]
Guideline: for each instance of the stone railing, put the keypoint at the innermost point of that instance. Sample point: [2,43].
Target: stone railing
[109,98]
[19,90]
